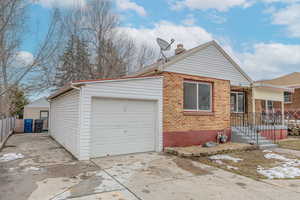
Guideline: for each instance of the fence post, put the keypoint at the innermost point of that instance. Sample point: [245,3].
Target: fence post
[1,130]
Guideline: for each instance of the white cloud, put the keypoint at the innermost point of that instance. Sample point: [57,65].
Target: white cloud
[220,5]
[190,36]
[271,60]
[189,20]
[60,3]
[24,58]
[130,5]
[289,17]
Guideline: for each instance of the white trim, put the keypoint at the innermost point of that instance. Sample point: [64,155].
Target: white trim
[237,92]
[197,95]
[116,80]
[291,100]
[273,86]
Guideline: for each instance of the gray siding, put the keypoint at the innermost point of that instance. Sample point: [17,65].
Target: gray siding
[64,120]
[209,62]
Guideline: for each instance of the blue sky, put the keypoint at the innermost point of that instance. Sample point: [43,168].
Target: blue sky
[263,35]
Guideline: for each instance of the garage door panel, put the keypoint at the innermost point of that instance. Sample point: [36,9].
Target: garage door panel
[122,126]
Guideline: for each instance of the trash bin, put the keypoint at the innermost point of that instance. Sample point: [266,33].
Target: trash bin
[28,125]
[38,125]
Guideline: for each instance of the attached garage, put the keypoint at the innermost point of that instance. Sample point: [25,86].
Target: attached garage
[122,126]
[108,117]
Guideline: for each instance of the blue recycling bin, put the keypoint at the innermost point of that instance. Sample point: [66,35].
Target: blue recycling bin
[28,124]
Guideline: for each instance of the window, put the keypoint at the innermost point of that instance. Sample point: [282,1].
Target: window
[237,102]
[44,114]
[270,107]
[197,96]
[287,97]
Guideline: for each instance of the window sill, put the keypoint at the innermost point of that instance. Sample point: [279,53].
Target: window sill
[198,113]
[288,102]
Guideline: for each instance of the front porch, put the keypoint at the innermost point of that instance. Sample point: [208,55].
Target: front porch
[257,115]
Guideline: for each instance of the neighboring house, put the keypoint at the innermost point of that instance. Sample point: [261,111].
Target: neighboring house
[292,97]
[38,109]
[185,101]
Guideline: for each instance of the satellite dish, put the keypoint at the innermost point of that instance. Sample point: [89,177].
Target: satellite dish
[164,46]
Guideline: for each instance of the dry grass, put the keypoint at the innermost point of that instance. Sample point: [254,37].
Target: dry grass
[291,143]
[248,166]
[198,151]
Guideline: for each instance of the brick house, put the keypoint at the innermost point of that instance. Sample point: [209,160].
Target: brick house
[232,96]
[185,100]
[201,88]
[291,98]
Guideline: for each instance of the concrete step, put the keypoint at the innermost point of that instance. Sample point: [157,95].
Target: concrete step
[268,146]
[263,143]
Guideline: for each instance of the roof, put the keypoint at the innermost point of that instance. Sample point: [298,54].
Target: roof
[278,87]
[290,80]
[79,83]
[155,67]
[158,66]
[42,102]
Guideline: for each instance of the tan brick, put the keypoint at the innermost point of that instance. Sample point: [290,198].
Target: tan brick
[173,113]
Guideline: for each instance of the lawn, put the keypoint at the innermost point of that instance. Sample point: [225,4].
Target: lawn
[291,143]
[256,164]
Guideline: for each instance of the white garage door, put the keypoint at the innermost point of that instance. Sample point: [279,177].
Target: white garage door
[122,126]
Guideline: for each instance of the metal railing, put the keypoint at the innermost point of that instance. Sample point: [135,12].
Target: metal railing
[7,125]
[292,120]
[258,125]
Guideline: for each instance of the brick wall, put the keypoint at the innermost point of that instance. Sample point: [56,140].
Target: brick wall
[259,106]
[295,105]
[194,127]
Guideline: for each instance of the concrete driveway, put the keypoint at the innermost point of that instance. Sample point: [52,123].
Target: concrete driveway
[145,176]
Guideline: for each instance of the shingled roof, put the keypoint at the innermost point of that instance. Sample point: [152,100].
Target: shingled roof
[289,80]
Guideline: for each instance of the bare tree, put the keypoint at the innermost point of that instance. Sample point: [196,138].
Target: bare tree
[12,33]
[112,52]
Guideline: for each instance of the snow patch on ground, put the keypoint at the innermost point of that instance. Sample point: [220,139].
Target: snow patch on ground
[11,156]
[267,151]
[279,172]
[220,162]
[232,167]
[225,157]
[287,169]
[31,169]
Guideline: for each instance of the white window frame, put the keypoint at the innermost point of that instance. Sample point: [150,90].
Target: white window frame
[210,100]
[237,104]
[267,106]
[291,98]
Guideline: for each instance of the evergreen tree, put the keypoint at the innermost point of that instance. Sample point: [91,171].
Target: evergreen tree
[75,63]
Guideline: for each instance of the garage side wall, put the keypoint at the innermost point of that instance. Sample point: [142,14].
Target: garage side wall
[64,120]
[143,89]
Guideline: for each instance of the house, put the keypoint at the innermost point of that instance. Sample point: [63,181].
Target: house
[186,100]
[38,109]
[292,97]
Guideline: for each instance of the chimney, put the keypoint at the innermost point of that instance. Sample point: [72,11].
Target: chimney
[179,49]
